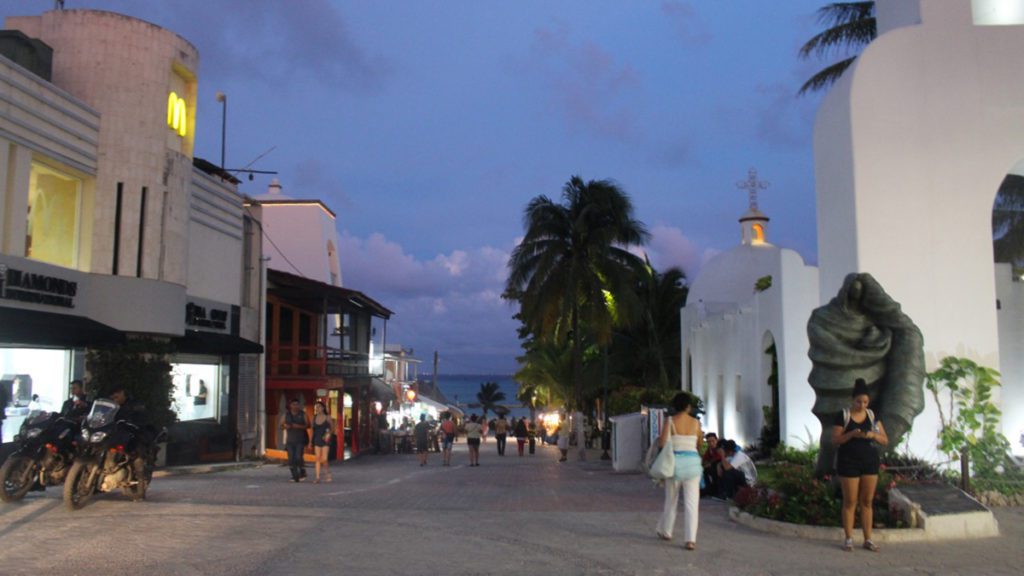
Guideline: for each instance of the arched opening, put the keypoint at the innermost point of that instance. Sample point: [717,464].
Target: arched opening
[1008,252]
[770,373]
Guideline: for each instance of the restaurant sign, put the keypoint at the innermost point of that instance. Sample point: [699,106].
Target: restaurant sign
[35,288]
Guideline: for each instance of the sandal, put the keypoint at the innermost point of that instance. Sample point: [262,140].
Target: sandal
[869,545]
[691,546]
[664,537]
[848,545]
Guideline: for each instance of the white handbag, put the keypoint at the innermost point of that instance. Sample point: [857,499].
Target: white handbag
[664,466]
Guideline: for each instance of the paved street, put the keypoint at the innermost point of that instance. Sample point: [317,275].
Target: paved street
[386,515]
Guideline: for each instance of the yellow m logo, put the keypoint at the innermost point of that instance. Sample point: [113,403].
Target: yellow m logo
[177,114]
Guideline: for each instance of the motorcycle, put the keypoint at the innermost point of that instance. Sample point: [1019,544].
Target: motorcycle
[45,452]
[107,451]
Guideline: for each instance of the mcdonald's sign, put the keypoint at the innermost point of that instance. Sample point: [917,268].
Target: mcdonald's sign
[177,114]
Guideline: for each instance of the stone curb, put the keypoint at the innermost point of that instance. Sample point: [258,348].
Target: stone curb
[831,533]
[205,468]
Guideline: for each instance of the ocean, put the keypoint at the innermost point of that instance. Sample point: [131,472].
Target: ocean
[461,389]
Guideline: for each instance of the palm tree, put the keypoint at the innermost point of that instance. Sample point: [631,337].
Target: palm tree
[489,396]
[648,352]
[573,269]
[1008,221]
[850,26]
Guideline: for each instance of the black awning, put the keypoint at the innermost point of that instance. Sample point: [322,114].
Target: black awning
[33,328]
[196,342]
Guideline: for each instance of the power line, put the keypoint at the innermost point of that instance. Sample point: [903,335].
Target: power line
[272,243]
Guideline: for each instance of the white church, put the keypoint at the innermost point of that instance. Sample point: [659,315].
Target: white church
[911,146]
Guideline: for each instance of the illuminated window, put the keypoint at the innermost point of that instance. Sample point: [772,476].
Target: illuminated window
[758,232]
[197,391]
[54,213]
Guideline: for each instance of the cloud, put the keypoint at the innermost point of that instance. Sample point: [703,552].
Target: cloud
[586,83]
[670,247]
[281,43]
[687,24]
[451,302]
[779,117]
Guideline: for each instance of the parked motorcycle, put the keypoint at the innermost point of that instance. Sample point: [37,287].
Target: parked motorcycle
[45,452]
[107,452]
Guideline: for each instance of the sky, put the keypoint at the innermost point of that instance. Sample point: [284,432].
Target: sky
[427,126]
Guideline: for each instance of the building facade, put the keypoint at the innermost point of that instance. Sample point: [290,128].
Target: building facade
[112,230]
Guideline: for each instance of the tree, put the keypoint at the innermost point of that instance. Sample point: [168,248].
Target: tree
[1008,221]
[489,396]
[647,352]
[573,269]
[850,26]
[141,366]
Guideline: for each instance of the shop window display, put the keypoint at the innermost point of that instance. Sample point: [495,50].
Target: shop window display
[197,391]
[54,210]
[31,372]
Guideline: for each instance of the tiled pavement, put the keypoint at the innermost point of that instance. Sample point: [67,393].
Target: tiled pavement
[386,515]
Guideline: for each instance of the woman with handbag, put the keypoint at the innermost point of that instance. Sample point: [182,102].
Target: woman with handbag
[322,425]
[681,434]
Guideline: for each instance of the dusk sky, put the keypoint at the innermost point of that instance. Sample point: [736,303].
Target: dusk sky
[428,126]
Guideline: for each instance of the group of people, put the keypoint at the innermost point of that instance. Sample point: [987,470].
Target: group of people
[723,468]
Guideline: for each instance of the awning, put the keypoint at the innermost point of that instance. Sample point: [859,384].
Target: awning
[32,328]
[197,342]
[315,295]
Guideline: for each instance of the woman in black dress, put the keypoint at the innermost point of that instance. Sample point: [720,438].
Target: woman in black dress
[322,426]
[855,432]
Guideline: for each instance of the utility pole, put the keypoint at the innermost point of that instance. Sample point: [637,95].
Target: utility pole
[435,369]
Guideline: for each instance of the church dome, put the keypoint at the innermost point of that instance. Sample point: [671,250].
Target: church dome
[731,276]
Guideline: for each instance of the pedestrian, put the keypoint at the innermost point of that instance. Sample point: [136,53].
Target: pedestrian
[295,424]
[422,432]
[855,432]
[680,433]
[711,461]
[521,434]
[501,433]
[473,433]
[483,428]
[737,470]
[321,441]
[563,437]
[448,438]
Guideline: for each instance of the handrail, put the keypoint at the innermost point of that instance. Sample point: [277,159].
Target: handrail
[311,360]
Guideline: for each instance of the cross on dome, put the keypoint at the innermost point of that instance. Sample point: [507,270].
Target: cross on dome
[752,185]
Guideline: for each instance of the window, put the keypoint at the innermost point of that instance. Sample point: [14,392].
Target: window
[27,372]
[54,211]
[197,391]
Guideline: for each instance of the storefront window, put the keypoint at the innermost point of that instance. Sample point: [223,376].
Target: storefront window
[197,391]
[25,373]
[54,206]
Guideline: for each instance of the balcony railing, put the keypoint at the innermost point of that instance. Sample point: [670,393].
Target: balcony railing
[318,361]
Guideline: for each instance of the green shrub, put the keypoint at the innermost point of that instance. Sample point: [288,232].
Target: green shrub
[140,366]
[789,454]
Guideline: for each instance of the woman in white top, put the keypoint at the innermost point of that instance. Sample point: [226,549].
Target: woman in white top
[683,432]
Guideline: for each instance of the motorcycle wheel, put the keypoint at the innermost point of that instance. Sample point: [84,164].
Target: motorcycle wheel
[80,485]
[16,478]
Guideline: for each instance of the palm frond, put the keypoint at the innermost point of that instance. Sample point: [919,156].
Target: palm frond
[826,77]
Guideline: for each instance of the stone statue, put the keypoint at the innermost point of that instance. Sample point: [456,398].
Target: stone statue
[863,333]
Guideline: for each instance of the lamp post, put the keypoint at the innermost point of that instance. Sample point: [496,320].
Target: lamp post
[223,99]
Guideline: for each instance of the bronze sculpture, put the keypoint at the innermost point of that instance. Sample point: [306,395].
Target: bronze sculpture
[863,333]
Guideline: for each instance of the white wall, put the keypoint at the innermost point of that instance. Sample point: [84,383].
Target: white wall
[301,232]
[910,149]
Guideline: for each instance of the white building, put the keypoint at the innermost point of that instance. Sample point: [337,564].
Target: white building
[911,146]
[109,228]
[745,300]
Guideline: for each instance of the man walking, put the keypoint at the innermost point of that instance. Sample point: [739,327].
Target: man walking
[295,424]
[501,433]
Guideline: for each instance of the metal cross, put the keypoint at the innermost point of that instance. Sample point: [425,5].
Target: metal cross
[752,185]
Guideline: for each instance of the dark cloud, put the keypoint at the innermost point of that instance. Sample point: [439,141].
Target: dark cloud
[686,23]
[586,84]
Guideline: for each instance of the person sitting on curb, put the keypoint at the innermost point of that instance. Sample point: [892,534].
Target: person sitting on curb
[711,461]
[738,470]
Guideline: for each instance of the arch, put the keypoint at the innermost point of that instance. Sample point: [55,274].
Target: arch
[332,263]
[771,423]
[1008,270]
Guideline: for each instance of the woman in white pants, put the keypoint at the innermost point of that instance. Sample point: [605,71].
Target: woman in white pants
[683,432]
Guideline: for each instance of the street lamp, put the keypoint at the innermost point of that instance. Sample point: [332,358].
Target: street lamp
[223,99]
